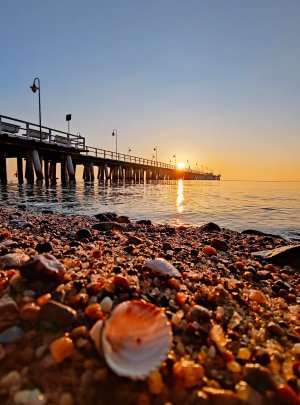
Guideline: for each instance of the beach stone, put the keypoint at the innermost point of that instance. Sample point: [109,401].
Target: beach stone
[220,396]
[57,314]
[210,227]
[13,260]
[83,233]
[199,312]
[9,312]
[219,244]
[111,216]
[134,240]
[275,329]
[108,226]
[102,218]
[123,220]
[144,222]
[11,335]
[44,247]
[259,377]
[285,255]
[47,211]
[262,357]
[29,397]
[10,379]
[43,267]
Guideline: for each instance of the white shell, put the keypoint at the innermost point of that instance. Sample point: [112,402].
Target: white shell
[95,334]
[162,266]
[136,339]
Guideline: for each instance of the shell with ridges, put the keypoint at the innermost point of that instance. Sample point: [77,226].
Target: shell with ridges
[136,339]
[162,266]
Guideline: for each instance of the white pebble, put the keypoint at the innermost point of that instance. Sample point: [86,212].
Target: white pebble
[106,304]
[30,397]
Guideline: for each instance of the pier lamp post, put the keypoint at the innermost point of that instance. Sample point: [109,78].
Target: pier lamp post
[155,150]
[174,156]
[34,89]
[115,133]
[129,150]
[187,164]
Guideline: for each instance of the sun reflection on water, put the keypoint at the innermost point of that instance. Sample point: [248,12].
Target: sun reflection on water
[180,197]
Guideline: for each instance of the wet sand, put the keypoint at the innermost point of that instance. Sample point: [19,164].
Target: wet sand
[234,319]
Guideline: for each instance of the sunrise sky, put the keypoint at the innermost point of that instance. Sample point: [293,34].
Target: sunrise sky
[216,82]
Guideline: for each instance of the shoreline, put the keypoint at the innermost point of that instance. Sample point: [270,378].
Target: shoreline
[234,319]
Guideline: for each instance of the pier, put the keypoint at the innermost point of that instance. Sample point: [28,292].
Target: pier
[39,150]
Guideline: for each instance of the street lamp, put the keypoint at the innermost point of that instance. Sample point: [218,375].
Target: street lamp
[129,149]
[34,88]
[174,156]
[187,164]
[115,133]
[155,150]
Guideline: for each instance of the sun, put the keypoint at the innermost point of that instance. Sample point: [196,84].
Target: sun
[180,165]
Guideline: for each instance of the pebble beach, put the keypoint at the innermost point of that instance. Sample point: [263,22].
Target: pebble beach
[232,316]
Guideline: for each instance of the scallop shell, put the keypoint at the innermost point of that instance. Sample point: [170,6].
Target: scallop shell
[162,266]
[136,339]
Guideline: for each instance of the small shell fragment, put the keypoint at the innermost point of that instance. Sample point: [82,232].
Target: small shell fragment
[162,266]
[136,339]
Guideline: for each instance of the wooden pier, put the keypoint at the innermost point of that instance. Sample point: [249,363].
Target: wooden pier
[39,150]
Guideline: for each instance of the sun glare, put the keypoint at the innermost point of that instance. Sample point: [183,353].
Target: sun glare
[180,165]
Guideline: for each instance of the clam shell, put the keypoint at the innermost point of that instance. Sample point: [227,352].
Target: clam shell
[162,266]
[136,339]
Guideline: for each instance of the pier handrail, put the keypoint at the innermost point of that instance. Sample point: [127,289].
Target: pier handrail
[48,135]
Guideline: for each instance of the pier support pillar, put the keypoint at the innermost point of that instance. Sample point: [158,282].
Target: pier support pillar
[70,167]
[92,174]
[46,171]
[106,174]
[37,165]
[3,170]
[20,169]
[63,172]
[29,175]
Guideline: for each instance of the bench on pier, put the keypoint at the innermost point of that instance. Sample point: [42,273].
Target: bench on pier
[35,133]
[61,140]
[7,128]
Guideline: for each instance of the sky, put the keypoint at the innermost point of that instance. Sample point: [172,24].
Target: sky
[215,82]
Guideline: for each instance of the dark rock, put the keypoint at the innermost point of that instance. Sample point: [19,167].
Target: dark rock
[44,247]
[219,244]
[102,218]
[22,206]
[111,216]
[275,329]
[198,312]
[262,357]
[134,240]
[108,226]
[123,220]
[286,255]
[259,377]
[144,222]
[167,246]
[11,335]
[210,227]
[47,211]
[43,267]
[58,314]
[83,233]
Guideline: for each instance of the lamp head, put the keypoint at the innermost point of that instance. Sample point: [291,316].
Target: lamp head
[34,88]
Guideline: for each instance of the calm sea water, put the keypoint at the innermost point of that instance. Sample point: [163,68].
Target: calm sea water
[272,207]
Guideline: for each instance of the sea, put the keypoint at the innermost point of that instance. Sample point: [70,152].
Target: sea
[270,207]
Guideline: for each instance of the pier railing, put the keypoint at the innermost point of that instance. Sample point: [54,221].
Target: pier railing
[28,130]
[122,157]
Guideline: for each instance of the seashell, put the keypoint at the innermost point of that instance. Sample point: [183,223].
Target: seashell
[136,339]
[95,334]
[162,266]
